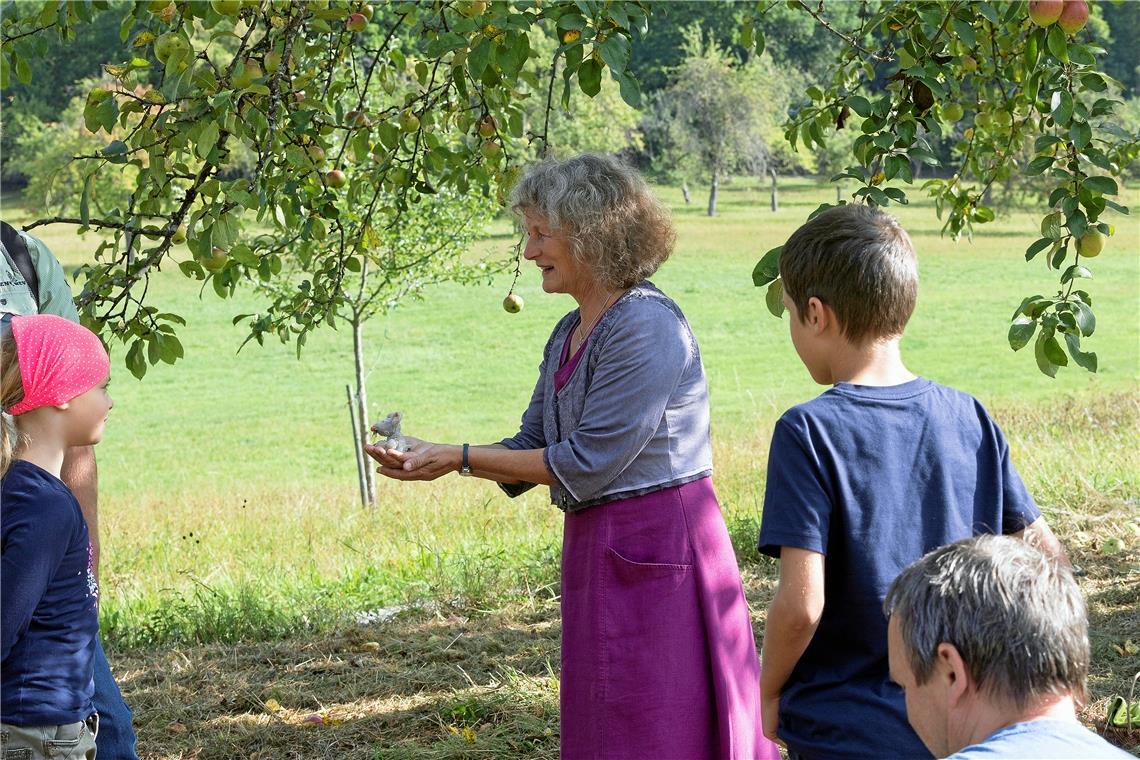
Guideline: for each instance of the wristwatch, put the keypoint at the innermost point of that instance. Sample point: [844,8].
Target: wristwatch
[465,470]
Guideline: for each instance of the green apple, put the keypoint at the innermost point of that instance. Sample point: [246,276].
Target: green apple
[409,122]
[953,112]
[487,126]
[490,149]
[513,303]
[170,44]
[216,261]
[178,237]
[246,73]
[356,22]
[272,61]
[1090,244]
[226,7]
[336,178]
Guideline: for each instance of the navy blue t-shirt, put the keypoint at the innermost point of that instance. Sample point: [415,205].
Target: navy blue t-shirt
[50,612]
[873,478]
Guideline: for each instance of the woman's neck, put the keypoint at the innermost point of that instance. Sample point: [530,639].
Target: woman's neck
[592,302]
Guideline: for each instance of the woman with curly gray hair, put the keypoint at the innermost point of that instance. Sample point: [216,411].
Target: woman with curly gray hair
[658,655]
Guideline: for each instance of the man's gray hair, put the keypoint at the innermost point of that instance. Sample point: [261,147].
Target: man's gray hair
[613,222]
[1015,616]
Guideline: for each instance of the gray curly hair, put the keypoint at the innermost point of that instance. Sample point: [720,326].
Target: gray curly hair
[613,222]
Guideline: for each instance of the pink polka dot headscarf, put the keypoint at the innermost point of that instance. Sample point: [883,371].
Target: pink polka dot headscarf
[59,360]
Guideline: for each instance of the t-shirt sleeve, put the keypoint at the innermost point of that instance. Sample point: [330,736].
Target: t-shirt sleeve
[55,294]
[797,508]
[35,542]
[638,370]
[1019,510]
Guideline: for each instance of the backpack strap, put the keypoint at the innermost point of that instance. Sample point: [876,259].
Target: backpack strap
[18,252]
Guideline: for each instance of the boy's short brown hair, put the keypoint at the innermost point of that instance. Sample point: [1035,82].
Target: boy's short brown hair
[859,261]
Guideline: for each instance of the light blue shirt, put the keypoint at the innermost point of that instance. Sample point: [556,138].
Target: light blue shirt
[1043,740]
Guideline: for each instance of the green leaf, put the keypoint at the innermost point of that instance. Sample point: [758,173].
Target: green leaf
[1039,165]
[759,43]
[1094,81]
[135,360]
[85,199]
[206,141]
[1081,358]
[1053,352]
[768,268]
[478,58]
[615,52]
[774,298]
[1037,247]
[1021,332]
[1047,367]
[1081,134]
[1051,226]
[983,214]
[1102,185]
[1076,271]
[590,77]
[1056,44]
[1086,319]
[859,105]
[629,88]
[23,69]
[1062,107]
[965,32]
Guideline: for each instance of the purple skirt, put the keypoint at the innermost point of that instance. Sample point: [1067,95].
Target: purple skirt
[658,657]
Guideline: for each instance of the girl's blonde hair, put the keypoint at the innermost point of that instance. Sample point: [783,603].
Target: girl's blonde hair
[11,393]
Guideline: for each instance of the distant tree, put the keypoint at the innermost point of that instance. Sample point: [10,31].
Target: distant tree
[719,117]
[1123,57]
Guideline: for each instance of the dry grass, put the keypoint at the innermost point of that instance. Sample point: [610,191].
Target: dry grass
[435,685]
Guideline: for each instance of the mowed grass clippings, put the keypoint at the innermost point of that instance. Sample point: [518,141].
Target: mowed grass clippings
[420,685]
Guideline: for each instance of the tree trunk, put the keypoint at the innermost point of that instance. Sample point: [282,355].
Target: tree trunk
[685,192]
[775,199]
[362,399]
[838,193]
[712,192]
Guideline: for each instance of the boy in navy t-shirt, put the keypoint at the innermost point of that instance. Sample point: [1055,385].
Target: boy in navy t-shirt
[863,480]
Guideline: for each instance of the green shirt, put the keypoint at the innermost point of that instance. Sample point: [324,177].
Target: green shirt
[55,294]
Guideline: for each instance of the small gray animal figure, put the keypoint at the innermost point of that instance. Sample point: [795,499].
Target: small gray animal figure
[389,428]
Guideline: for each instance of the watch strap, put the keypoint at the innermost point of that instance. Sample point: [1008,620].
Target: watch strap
[465,469]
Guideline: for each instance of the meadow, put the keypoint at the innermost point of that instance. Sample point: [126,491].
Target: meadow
[233,535]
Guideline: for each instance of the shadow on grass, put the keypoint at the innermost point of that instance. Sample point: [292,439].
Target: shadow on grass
[1112,590]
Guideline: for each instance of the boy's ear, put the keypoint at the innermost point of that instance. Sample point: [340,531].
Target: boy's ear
[818,315]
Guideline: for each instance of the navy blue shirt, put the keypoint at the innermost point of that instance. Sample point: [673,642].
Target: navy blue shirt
[49,615]
[873,478]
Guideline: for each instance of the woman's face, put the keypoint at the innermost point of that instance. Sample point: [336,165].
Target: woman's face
[549,249]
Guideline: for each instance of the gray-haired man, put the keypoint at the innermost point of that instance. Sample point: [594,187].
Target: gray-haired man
[988,638]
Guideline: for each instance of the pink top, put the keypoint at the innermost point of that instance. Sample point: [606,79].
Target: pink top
[566,363]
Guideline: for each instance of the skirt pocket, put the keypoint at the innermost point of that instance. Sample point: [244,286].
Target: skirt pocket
[658,699]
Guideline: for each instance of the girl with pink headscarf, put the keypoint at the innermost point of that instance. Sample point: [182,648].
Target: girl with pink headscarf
[53,393]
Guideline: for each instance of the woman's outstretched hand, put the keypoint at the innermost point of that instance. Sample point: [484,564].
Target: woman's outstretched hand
[423,461]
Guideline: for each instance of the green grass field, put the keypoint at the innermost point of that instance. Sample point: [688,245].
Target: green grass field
[251,452]
[229,503]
